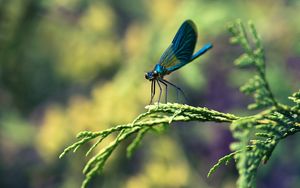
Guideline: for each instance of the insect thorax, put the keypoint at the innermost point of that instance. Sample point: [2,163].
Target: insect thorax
[160,69]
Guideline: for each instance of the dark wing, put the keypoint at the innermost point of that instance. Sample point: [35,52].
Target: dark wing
[181,50]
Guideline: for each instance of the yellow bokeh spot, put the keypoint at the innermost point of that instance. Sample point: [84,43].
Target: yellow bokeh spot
[167,168]
[162,11]
[99,18]
[52,134]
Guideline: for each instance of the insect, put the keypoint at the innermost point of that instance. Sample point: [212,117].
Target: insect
[178,54]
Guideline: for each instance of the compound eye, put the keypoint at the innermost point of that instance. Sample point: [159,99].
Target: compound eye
[146,76]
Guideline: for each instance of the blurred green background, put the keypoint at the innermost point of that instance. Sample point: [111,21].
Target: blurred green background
[73,65]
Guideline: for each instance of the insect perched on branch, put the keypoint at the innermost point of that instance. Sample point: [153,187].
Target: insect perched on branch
[178,54]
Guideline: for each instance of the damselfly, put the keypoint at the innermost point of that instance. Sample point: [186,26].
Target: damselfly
[178,54]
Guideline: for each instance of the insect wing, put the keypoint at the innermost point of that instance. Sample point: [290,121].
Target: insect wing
[182,47]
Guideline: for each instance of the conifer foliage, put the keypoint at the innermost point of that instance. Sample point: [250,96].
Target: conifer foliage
[255,136]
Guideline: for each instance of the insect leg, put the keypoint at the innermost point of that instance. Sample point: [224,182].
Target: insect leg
[166,85]
[152,91]
[178,88]
[160,91]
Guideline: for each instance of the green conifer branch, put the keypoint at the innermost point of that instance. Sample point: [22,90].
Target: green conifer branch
[136,142]
[254,56]
[255,136]
[221,161]
[156,116]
